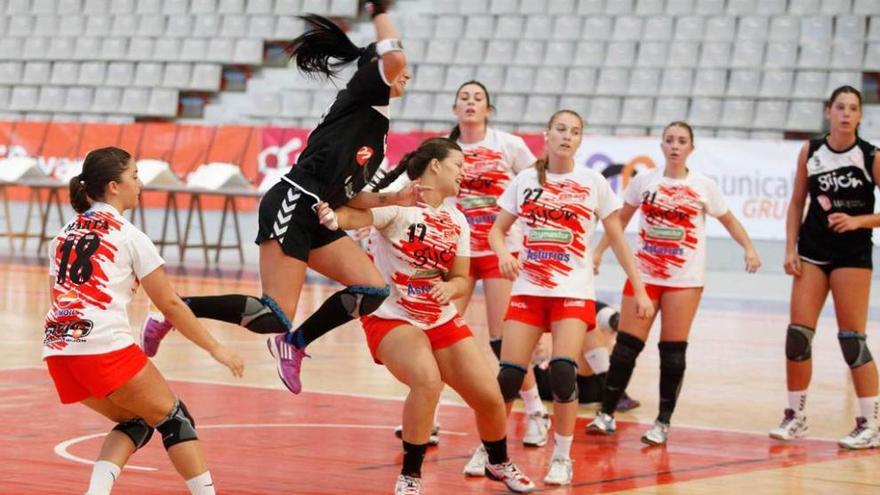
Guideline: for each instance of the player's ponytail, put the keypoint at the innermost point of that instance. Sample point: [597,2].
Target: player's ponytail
[100,167]
[323,41]
[416,162]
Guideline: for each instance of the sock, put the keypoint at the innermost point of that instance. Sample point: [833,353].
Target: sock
[333,313]
[870,409]
[672,366]
[437,415]
[562,445]
[532,399]
[104,474]
[797,401]
[591,388]
[413,455]
[495,344]
[201,484]
[497,450]
[228,308]
[623,362]
[599,359]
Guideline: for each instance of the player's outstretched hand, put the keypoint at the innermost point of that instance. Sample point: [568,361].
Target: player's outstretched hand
[230,359]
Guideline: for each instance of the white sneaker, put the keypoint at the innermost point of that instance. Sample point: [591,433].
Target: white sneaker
[862,437]
[537,428]
[433,440]
[477,465]
[408,485]
[510,475]
[793,426]
[560,471]
[602,424]
[657,435]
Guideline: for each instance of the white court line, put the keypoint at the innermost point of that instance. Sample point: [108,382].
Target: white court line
[61,449]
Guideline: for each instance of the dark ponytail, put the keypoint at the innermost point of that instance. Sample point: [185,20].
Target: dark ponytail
[541,163]
[100,167]
[322,41]
[456,131]
[415,162]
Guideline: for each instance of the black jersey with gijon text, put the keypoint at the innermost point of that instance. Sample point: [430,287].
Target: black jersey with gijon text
[345,150]
[840,181]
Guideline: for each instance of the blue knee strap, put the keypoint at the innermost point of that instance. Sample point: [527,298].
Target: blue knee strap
[271,304]
[368,290]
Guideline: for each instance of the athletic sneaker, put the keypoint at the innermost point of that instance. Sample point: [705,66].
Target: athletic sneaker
[626,403]
[433,440]
[657,435]
[408,485]
[560,471]
[155,328]
[288,361]
[477,465]
[602,424]
[537,427]
[793,426]
[510,475]
[862,437]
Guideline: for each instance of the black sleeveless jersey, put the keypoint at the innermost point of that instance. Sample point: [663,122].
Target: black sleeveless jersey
[839,182]
[345,150]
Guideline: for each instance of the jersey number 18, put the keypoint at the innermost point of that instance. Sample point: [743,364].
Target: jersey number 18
[80,271]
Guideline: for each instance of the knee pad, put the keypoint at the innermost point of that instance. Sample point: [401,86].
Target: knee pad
[510,379]
[626,350]
[799,343]
[563,380]
[361,300]
[672,355]
[178,427]
[855,348]
[496,347]
[264,316]
[607,318]
[137,430]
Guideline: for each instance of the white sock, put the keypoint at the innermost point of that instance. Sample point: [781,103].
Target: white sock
[562,445]
[104,474]
[201,484]
[533,401]
[797,401]
[437,415]
[599,359]
[870,409]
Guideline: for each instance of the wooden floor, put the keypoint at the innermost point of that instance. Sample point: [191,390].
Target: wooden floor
[336,437]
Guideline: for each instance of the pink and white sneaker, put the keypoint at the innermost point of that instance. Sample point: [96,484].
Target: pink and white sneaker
[155,328]
[510,475]
[288,361]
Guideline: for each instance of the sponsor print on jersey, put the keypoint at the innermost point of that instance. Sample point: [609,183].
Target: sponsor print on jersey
[669,231]
[485,178]
[81,282]
[428,249]
[556,218]
[363,155]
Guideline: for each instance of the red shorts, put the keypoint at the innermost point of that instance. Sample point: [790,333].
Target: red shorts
[483,267]
[654,291]
[94,375]
[541,311]
[441,336]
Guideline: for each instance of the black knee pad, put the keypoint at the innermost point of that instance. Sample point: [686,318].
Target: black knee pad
[799,343]
[626,350]
[264,316]
[178,427]
[563,380]
[361,300]
[495,344]
[855,348]
[510,379]
[137,430]
[673,355]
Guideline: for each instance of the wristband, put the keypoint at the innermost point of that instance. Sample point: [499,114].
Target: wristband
[388,45]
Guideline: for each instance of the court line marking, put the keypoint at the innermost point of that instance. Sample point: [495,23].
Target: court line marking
[61,449]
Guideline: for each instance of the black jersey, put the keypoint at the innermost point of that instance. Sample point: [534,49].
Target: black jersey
[345,150]
[839,182]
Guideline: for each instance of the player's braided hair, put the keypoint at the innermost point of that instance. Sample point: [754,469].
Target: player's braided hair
[415,162]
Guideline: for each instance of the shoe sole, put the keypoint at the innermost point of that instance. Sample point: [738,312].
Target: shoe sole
[270,342]
[652,443]
[557,483]
[593,430]
[474,474]
[534,444]
[866,447]
[489,475]
[783,439]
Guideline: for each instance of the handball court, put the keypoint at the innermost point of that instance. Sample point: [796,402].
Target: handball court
[336,437]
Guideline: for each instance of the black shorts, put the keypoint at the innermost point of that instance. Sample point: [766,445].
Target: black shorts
[286,215]
[828,260]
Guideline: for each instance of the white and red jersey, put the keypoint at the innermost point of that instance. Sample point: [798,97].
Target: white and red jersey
[672,225]
[97,260]
[558,220]
[413,248]
[489,166]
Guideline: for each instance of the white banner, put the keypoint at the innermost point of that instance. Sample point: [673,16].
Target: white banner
[755,177]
